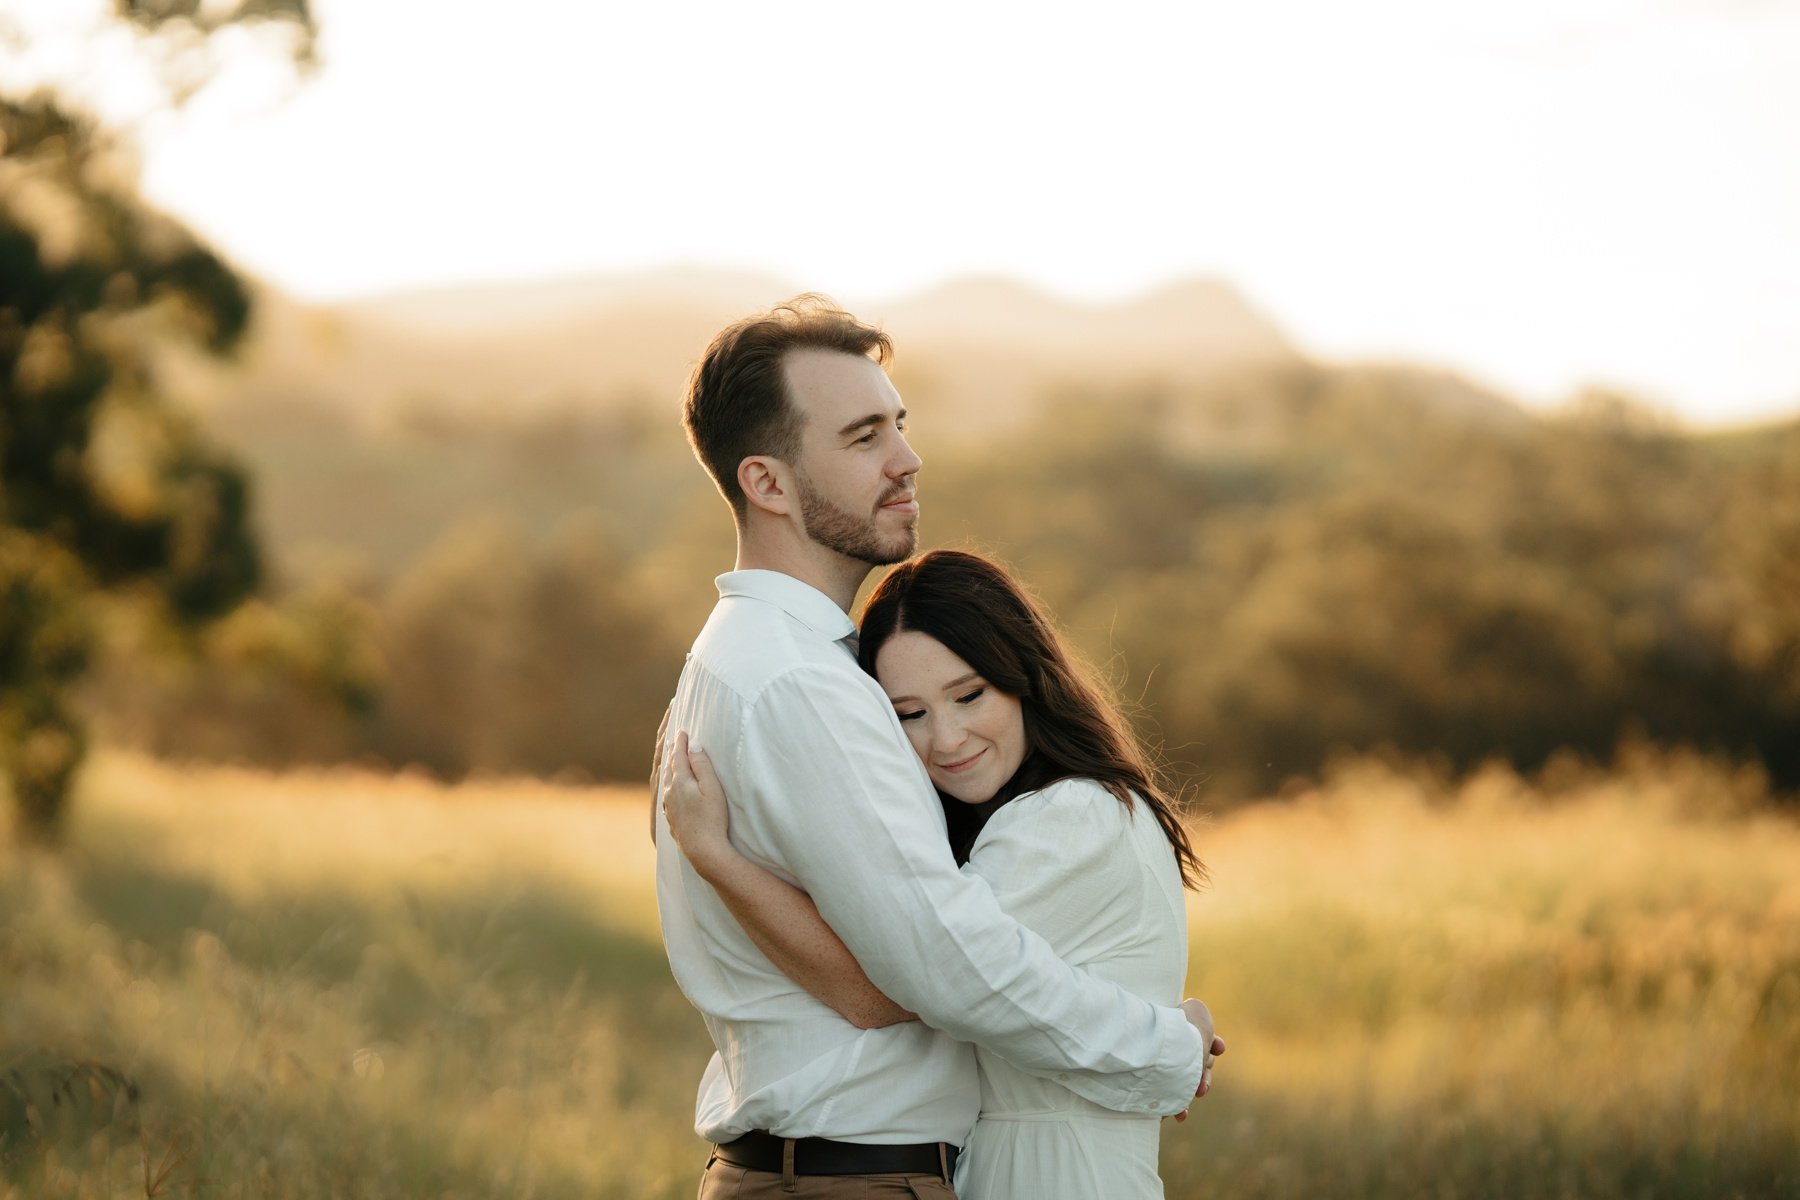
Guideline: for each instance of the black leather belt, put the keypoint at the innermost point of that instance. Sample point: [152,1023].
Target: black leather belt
[760,1151]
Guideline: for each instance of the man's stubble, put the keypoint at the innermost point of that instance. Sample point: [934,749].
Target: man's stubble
[849,535]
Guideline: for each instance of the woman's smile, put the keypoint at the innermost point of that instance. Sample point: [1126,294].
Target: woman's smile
[963,764]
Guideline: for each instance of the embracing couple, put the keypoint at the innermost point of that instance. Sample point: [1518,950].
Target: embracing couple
[918,877]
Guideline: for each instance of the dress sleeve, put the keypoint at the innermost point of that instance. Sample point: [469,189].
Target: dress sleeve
[856,824]
[1061,863]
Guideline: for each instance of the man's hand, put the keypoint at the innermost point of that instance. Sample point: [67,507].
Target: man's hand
[1200,1017]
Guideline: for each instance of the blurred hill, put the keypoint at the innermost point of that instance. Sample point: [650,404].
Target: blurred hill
[983,348]
[532,400]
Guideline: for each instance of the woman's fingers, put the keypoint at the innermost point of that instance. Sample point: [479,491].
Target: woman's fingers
[678,784]
[694,804]
[1213,1045]
[693,797]
[702,769]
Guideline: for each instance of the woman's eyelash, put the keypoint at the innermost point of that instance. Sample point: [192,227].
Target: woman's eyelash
[965,698]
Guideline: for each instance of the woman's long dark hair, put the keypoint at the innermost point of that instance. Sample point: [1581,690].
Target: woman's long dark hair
[1072,730]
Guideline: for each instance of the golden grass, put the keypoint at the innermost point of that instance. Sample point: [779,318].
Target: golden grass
[344,984]
[1481,989]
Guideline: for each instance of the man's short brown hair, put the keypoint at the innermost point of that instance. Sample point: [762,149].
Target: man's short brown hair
[737,403]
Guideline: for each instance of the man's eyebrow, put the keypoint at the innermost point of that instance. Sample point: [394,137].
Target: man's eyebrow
[871,419]
[948,687]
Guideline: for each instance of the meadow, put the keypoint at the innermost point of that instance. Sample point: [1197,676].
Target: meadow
[345,984]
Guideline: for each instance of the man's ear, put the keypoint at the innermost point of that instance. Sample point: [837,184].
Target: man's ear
[765,483]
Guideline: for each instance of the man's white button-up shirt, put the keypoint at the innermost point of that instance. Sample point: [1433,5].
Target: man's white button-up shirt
[826,792]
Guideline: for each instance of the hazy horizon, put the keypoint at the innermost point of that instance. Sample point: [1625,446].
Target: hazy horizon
[1544,195]
[497,311]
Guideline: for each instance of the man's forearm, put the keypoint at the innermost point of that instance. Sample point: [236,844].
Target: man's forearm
[972,972]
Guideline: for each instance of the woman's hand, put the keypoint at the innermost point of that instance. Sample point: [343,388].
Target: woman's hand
[1200,1017]
[693,802]
[780,918]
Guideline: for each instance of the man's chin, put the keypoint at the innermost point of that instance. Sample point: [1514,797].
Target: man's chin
[867,542]
[888,554]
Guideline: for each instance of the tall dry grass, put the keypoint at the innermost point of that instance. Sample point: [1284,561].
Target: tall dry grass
[1585,985]
[336,984]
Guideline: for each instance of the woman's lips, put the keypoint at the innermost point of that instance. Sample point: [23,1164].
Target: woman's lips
[964,765]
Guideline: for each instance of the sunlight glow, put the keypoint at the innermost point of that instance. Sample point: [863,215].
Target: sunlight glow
[1542,194]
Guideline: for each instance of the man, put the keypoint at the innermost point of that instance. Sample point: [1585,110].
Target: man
[793,415]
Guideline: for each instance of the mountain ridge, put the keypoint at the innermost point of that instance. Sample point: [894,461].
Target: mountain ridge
[984,344]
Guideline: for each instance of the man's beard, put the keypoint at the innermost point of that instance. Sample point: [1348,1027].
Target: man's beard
[853,537]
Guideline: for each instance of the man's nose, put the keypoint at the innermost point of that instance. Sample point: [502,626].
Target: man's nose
[906,462]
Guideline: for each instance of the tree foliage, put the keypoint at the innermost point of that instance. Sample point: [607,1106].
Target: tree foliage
[106,485]
[1337,560]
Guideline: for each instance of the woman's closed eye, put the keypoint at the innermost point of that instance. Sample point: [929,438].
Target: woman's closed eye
[910,716]
[971,697]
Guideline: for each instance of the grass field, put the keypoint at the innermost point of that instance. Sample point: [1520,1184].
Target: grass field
[347,985]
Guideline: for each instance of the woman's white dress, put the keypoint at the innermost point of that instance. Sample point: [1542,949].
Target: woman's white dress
[1100,884]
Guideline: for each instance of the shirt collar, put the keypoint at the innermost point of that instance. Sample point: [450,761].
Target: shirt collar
[802,601]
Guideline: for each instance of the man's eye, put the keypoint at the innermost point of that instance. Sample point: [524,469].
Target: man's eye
[971,697]
[866,438]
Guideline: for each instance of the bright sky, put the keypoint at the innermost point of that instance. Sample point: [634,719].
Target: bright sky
[1541,193]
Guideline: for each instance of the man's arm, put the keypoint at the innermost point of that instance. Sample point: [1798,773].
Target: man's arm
[855,821]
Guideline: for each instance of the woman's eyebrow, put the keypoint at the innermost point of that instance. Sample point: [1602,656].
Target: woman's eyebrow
[948,687]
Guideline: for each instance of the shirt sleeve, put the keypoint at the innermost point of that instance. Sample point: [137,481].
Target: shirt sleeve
[847,808]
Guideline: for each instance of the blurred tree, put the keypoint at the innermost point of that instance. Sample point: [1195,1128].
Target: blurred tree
[599,662]
[105,487]
[1385,557]
[1759,543]
[1751,592]
[453,649]
[280,681]
[503,658]
[1375,618]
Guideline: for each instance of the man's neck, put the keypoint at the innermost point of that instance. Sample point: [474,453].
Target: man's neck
[832,573]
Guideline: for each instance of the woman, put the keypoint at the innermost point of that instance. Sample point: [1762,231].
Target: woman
[1047,797]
